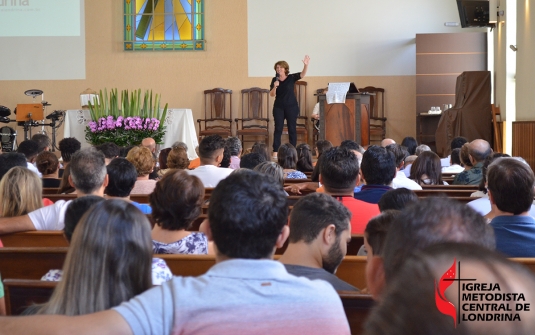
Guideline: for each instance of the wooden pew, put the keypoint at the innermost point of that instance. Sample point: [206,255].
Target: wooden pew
[22,293]
[474,188]
[357,307]
[357,241]
[30,263]
[50,190]
[33,263]
[447,192]
[140,198]
[40,238]
[288,182]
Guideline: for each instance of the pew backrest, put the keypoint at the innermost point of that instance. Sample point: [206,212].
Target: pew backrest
[357,307]
[23,293]
[30,263]
[39,238]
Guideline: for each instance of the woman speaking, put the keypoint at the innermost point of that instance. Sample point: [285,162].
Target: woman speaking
[285,106]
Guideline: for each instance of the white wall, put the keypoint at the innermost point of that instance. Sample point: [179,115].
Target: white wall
[343,37]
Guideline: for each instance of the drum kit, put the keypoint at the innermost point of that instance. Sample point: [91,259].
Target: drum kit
[29,116]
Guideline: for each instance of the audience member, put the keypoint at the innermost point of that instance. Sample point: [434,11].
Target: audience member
[150,144]
[122,177]
[455,162]
[162,161]
[478,150]
[378,169]
[9,160]
[195,163]
[225,162]
[123,151]
[271,169]
[429,221]
[482,189]
[29,149]
[262,149]
[108,263]
[68,146]
[20,192]
[410,143]
[421,148]
[143,161]
[287,159]
[211,153]
[339,173]
[304,158]
[76,210]
[87,175]
[401,180]
[235,148]
[65,186]
[110,151]
[176,202]
[375,236]
[250,161]
[43,142]
[426,169]
[397,199]
[179,144]
[387,141]
[178,159]
[48,165]
[413,296]
[319,232]
[456,143]
[322,146]
[510,189]
[407,164]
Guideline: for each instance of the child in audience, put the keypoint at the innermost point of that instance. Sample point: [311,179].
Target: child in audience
[397,199]
[21,192]
[304,158]
[108,262]
[176,202]
[287,158]
[374,239]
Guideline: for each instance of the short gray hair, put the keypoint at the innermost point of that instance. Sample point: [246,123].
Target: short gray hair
[421,148]
[88,170]
[234,146]
[179,144]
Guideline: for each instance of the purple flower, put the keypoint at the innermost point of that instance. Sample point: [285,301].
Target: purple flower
[120,119]
[118,124]
[126,128]
[110,117]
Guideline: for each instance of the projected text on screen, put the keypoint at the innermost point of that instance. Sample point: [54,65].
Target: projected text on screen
[39,18]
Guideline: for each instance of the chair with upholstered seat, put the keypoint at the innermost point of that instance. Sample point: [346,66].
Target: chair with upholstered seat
[377,112]
[300,90]
[217,113]
[254,121]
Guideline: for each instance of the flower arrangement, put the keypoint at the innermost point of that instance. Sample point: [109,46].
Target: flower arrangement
[129,125]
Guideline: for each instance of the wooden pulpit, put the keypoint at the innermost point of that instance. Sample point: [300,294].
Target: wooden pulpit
[345,121]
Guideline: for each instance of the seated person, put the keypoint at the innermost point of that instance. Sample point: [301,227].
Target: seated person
[287,159]
[235,148]
[162,162]
[262,149]
[251,160]
[397,199]
[75,211]
[455,162]
[510,188]
[304,158]
[122,176]
[478,150]
[426,169]
[271,169]
[9,160]
[21,192]
[378,169]
[319,232]
[414,296]
[109,261]
[400,180]
[29,149]
[144,163]
[211,151]
[48,165]
[176,202]
[110,151]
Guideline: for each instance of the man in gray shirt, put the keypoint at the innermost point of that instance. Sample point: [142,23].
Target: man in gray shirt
[319,232]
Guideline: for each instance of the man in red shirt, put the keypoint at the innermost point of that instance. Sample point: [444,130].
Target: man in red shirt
[339,173]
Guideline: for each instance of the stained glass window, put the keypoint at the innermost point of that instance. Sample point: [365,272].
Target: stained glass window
[163,25]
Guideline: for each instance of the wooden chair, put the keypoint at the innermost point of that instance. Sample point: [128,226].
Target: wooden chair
[300,90]
[473,188]
[255,120]
[23,293]
[376,111]
[140,198]
[357,307]
[217,112]
[50,190]
[497,128]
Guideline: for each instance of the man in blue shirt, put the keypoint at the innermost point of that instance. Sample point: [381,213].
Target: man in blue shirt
[122,176]
[510,189]
[378,169]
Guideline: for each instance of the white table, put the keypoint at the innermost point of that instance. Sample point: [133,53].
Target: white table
[179,127]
